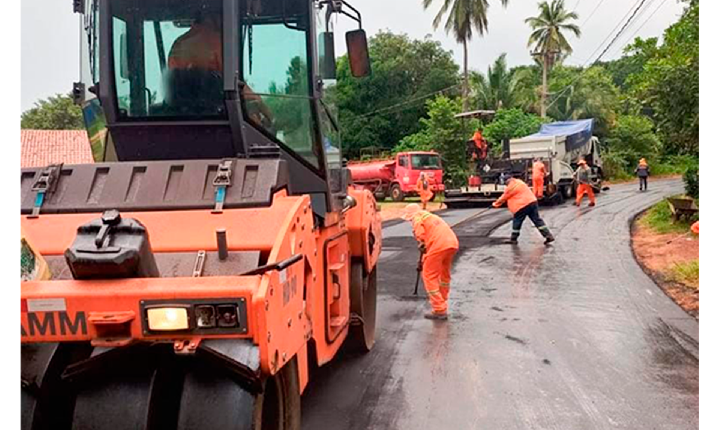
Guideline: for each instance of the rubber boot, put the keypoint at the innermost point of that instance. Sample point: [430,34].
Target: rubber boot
[434,316]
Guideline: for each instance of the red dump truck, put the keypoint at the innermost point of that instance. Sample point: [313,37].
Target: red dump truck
[396,177]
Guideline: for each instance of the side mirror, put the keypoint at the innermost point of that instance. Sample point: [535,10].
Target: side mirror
[124,71]
[327,55]
[358,53]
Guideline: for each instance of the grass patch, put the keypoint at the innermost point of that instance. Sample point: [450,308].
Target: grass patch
[687,273]
[659,219]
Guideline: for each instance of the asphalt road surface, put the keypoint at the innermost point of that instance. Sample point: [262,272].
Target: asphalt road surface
[571,336]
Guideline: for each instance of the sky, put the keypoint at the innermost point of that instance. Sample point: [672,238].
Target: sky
[50,34]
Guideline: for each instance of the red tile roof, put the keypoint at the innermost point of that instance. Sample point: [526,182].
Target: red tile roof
[42,147]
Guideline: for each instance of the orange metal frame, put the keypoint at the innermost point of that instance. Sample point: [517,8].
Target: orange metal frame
[285,309]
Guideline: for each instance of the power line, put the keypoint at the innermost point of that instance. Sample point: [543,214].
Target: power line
[389,108]
[621,30]
[613,30]
[629,20]
[591,13]
[643,24]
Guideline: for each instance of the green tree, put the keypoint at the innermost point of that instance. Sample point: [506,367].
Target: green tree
[444,133]
[386,106]
[464,16]
[496,89]
[510,124]
[631,139]
[669,88]
[548,39]
[585,93]
[55,113]
[635,55]
[527,87]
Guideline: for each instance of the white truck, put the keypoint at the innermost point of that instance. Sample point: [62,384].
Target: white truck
[559,145]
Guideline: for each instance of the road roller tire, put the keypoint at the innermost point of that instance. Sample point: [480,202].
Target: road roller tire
[363,305]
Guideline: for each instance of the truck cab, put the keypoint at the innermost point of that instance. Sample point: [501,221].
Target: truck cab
[409,166]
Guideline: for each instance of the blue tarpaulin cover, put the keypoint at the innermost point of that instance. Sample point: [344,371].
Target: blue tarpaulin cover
[577,133]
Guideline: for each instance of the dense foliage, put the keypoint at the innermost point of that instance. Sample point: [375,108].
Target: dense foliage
[692,182]
[55,113]
[381,109]
[668,85]
[509,124]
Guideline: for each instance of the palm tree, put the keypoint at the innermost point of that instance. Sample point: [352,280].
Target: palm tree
[496,89]
[464,16]
[548,38]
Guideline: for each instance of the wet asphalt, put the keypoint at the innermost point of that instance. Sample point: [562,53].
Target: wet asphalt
[570,336]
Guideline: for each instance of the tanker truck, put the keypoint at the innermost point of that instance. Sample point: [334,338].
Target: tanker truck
[396,177]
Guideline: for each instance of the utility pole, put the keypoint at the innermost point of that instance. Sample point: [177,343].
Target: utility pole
[546,65]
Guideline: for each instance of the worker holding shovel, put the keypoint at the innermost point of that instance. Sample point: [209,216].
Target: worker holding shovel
[438,244]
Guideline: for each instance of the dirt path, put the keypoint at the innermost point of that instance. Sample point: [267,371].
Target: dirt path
[658,253]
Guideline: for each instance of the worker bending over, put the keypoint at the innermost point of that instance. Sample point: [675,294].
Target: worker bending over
[438,244]
[643,171]
[522,203]
[582,176]
[538,177]
[423,190]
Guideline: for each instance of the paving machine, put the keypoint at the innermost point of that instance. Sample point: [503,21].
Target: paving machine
[214,255]
[559,145]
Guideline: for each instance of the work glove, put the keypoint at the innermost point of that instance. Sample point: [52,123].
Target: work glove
[422,248]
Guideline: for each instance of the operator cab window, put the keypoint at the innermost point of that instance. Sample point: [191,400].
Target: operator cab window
[275,69]
[168,58]
[403,161]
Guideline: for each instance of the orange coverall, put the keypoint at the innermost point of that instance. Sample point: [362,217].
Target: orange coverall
[582,175]
[695,228]
[480,144]
[538,178]
[517,195]
[441,244]
[423,189]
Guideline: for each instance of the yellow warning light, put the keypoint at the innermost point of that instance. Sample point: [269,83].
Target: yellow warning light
[167,319]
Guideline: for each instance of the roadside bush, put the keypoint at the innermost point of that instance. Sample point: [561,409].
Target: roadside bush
[692,182]
[615,165]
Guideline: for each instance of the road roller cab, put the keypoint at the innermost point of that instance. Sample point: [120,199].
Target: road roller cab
[214,253]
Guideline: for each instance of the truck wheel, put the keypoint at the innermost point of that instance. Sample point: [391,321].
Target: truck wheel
[363,305]
[396,193]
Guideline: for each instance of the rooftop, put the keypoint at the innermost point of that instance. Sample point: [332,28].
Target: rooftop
[40,148]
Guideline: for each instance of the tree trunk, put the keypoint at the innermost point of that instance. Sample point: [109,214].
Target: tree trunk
[465,78]
[543,96]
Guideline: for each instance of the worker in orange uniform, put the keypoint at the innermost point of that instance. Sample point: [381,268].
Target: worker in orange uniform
[582,176]
[695,228]
[423,190]
[480,145]
[522,203]
[538,177]
[438,244]
[200,48]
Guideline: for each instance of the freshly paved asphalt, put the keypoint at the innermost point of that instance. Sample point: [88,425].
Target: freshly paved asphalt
[571,336]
